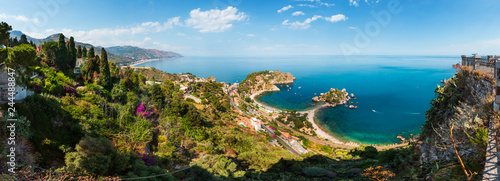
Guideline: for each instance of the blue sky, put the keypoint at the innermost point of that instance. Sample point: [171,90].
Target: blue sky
[269,27]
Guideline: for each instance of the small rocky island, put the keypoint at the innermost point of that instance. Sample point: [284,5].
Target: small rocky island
[335,97]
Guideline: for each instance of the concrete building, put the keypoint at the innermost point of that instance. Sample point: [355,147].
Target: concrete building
[296,146]
[256,124]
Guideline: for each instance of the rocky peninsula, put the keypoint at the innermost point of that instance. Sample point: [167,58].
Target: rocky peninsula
[263,81]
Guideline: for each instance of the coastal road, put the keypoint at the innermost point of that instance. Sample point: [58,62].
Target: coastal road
[286,144]
[268,130]
[197,100]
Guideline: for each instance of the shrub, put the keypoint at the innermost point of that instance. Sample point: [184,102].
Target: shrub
[364,152]
[314,172]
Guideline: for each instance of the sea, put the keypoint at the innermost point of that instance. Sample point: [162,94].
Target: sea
[392,92]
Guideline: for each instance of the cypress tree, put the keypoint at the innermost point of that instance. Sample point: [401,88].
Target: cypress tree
[79,51]
[24,39]
[91,53]
[84,52]
[62,55]
[105,76]
[33,44]
[72,53]
[15,42]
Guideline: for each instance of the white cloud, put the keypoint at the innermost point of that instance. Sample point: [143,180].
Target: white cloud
[317,2]
[301,25]
[352,28]
[353,3]
[18,18]
[298,13]
[112,36]
[336,18]
[214,20]
[307,5]
[285,8]
[250,35]
[181,34]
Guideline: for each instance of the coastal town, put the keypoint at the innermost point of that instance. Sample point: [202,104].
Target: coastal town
[261,118]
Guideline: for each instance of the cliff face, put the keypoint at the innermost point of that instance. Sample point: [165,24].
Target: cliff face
[464,104]
[264,80]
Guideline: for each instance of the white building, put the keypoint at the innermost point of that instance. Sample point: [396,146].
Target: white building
[20,93]
[257,124]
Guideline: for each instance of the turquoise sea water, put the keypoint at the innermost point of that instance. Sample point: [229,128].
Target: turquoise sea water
[393,92]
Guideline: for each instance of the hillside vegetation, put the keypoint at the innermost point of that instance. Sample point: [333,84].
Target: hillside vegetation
[264,80]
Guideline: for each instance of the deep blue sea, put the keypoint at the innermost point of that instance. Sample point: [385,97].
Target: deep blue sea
[393,92]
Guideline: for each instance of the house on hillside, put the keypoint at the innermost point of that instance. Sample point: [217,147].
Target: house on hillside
[20,93]
[296,146]
[256,123]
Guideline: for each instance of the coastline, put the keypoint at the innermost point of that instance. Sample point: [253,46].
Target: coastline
[311,114]
[310,117]
[144,61]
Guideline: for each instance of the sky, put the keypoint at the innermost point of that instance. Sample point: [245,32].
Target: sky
[268,27]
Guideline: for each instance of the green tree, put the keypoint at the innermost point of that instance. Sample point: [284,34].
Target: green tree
[84,52]
[130,79]
[117,93]
[91,53]
[91,69]
[105,76]
[15,42]
[21,58]
[79,51]
[49,49]
[62,54]
[72,53]
[157,96]
[4,33]
[24,39]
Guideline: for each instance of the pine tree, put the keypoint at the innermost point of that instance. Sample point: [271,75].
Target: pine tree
[79,51]
[15,42]
[33,44]
[4,33]
[84,52]
[105,76]
[24,39]
[72,53]
[62,54]
[91,53]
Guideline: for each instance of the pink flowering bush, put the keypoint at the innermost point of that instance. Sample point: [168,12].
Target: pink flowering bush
[142,111]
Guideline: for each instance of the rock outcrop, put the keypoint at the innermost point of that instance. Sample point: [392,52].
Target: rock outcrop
[463,103]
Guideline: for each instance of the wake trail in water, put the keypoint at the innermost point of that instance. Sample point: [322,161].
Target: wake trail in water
[414,113]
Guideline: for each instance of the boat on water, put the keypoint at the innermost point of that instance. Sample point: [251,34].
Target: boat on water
[374,110]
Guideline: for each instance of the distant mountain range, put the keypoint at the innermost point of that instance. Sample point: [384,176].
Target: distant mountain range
[122,55]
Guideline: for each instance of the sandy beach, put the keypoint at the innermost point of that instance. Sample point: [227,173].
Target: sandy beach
[323,134]
[143,61]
